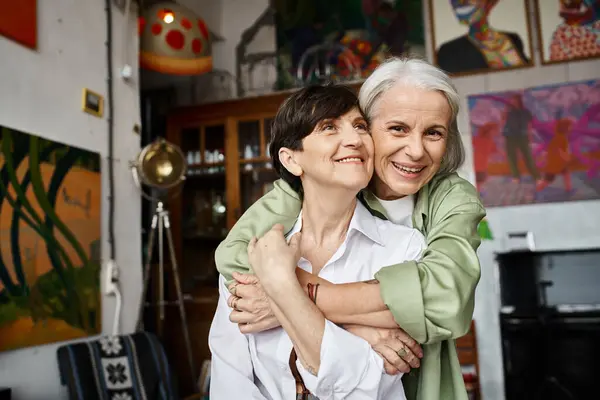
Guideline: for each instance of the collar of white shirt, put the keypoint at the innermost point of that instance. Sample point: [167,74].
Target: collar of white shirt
[362,221]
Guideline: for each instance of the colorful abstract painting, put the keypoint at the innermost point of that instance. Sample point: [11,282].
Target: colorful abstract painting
[18,21]
[537,145]
[359,33]
[480,36]
[49,241]
[568,30]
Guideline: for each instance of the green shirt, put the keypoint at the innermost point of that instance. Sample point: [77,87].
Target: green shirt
[431,299]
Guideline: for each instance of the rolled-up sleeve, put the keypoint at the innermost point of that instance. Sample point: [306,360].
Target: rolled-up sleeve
[433,299]
[232,374]
[350,368]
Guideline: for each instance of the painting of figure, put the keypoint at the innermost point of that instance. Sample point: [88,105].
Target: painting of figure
[49,241]
[473,36]
[537,145]
[568,30]
[343,39]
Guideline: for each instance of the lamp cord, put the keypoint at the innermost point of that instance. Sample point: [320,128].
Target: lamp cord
[111,129]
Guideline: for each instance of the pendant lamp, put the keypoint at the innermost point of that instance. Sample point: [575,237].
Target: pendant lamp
[173,40]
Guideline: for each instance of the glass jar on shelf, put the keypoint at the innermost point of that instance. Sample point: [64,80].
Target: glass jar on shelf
[249,139]
[219,215]
[255,183]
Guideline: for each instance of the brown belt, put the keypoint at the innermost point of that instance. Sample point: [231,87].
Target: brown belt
[302,392]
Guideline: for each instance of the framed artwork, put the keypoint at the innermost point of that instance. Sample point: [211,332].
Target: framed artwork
[92,103]
[348,37]
[568,30]
[480,36]
[49,241]
[18,21]
[537,145]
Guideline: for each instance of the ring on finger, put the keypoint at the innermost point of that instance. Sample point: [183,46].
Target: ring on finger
[233,289]
[233,302]
[402,352]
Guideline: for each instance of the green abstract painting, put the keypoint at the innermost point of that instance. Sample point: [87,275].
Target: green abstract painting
[49,241]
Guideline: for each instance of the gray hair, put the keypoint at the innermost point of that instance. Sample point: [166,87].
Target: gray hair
[420,74]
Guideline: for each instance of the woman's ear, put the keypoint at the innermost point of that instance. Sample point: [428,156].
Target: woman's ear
[288,160]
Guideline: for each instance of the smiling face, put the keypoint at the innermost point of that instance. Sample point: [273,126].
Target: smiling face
[337,154]
[410,130]
[469,12]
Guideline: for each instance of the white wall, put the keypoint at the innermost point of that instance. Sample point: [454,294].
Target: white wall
[555,226]
[40,93]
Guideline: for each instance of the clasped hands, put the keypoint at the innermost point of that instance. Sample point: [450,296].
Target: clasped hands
[272,259]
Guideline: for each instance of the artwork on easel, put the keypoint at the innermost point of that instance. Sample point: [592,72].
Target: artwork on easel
[537,145]
[49,241]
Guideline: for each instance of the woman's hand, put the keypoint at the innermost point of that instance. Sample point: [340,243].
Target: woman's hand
[399,351]
[251,307]
[272,258]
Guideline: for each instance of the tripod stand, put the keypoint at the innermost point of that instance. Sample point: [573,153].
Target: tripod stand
[160,221]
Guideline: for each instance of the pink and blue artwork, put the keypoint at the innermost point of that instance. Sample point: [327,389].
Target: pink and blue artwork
[537,145]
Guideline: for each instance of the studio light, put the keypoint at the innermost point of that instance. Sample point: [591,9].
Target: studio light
[161,166]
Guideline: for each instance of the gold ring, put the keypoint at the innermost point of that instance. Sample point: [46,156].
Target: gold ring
[233,289]
[402,352]
[234,303]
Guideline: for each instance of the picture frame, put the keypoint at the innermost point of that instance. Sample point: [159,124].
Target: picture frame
[560,41]
[510,48]
[92,103]
[549,154]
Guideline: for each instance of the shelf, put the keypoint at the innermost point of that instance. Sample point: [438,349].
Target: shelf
[255,160]
[204,174]
[206,165]
[257,169]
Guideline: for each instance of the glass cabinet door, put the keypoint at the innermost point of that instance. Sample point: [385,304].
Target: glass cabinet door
[255,171]
[203,202]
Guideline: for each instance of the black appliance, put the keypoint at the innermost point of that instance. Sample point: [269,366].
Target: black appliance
[550,324]
[5,393]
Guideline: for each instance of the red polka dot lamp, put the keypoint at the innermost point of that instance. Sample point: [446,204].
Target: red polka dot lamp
[174,41]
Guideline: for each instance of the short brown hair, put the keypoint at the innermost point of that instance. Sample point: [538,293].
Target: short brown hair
[299,115]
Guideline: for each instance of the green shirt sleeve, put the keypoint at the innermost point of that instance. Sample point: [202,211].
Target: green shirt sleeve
[433,299]
[280,205]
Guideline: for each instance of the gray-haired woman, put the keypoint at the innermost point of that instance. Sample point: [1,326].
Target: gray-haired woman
[412,109]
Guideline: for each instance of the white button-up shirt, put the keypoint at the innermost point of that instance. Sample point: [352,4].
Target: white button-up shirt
[256,366]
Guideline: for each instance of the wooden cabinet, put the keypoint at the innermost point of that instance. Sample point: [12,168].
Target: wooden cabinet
[229,169]
[466,347]
[226,146]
